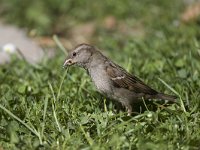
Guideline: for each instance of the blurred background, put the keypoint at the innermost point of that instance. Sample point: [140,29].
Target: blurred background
[157,40]
[109,23]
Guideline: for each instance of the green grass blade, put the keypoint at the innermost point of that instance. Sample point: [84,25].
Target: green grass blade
[53,106]
[175,92]
[44,116]
[59,44]
[60,87]
[22,122]
[88,138]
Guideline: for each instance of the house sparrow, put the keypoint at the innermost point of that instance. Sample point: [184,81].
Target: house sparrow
[112,80]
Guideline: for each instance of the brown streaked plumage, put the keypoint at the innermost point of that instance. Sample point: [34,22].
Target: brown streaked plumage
[111,79]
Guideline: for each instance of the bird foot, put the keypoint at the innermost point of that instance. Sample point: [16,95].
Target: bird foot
[129,110]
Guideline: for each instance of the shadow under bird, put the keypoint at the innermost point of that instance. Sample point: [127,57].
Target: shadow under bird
[112,80]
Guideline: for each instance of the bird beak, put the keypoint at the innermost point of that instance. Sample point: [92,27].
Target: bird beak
[68,62]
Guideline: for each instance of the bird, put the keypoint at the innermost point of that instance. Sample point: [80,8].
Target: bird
[112,80]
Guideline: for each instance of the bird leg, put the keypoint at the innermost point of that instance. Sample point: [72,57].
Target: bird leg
[128,107]
[129,110]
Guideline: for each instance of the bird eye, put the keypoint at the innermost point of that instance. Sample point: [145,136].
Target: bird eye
[74,54]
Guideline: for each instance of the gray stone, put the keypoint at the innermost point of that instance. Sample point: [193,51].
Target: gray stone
[17,37]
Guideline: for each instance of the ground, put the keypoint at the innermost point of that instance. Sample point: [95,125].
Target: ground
[43,106]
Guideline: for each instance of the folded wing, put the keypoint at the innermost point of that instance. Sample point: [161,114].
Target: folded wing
[123,79]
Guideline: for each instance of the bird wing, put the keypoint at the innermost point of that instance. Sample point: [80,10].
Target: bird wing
[122,79]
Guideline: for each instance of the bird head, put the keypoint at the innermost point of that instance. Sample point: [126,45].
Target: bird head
[80,55]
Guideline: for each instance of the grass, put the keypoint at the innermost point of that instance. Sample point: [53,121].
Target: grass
[46,107]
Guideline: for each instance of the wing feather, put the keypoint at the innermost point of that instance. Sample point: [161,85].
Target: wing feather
[121,78]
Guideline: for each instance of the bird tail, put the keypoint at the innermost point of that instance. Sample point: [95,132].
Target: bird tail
[162,96]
